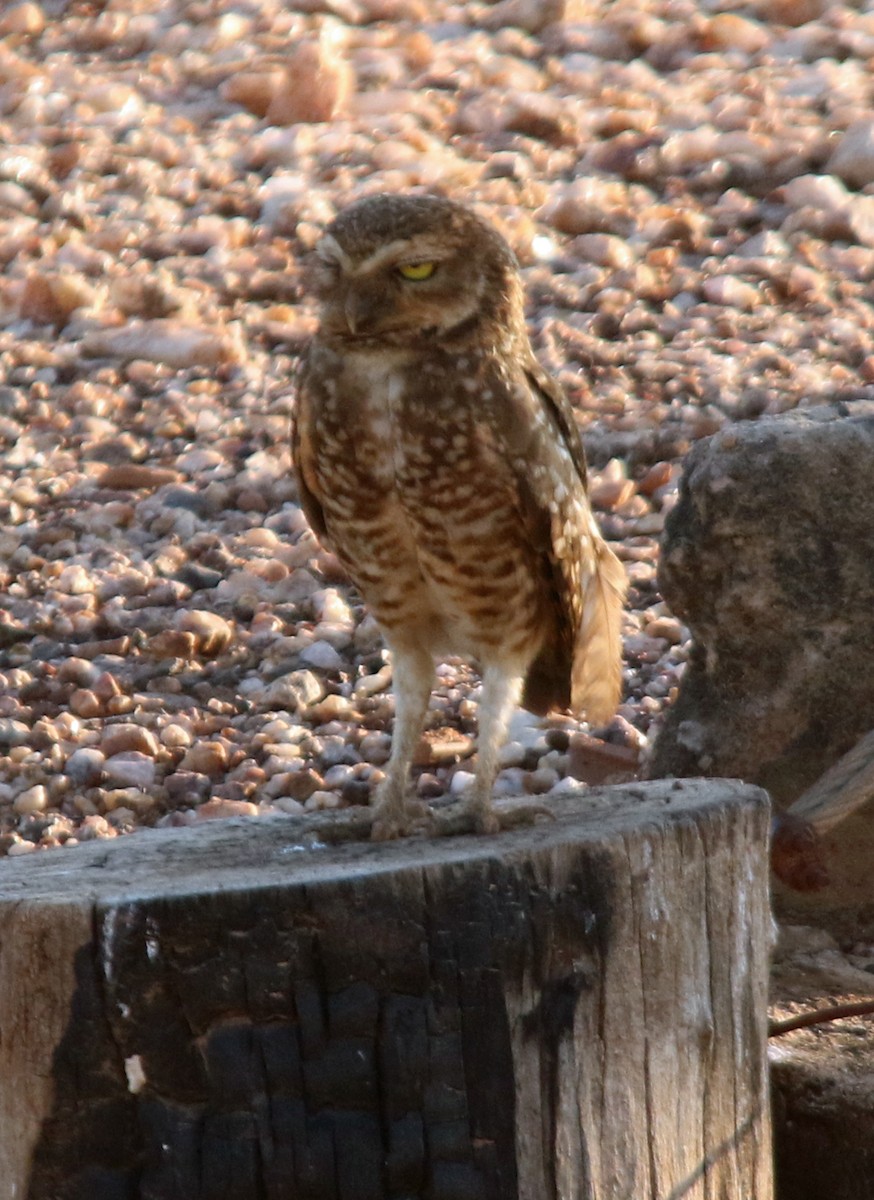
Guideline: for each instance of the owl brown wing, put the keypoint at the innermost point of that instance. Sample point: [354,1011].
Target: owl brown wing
[303,458]
[552,396]
[579,663]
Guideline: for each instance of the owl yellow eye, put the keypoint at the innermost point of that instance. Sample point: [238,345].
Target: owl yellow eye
[417,271]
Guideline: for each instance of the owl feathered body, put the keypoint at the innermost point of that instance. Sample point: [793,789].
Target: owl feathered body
[445,469]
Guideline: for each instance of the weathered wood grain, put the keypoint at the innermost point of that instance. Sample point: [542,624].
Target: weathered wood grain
[576,1011]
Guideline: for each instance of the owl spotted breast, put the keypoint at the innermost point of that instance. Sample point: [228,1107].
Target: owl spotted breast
[445,470]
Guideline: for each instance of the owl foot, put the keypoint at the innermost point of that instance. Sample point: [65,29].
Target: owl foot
[391,821]
[474,817]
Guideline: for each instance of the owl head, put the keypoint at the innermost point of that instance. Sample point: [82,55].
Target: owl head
[404,269]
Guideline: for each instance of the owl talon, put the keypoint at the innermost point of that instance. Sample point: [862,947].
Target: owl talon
[483,818]
[396,821]
[473,818]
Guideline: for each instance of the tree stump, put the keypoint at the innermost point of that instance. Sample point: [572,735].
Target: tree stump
[573,1011]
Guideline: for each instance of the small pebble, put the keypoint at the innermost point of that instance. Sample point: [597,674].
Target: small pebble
[540,781]
[126,736]
[512,754]
[31,800]
[852,159]
[208,758]
[296,690]
[461,781]
[322,656]
[375,748]
[302,784]
[212,633]
[176,737]
[322,799]
[85,766]
[130,769]
[185,787]
[17,848]
[13,733]
[288,804]
[167,341]
[221,808]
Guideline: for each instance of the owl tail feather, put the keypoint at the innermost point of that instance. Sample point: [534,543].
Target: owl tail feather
[596,680]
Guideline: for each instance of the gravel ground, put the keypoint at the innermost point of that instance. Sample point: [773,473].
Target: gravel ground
[690,190]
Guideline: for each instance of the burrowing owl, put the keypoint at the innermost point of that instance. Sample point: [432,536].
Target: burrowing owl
[444,468]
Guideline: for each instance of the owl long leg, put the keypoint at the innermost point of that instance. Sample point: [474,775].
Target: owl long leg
[500,695]
[413,672]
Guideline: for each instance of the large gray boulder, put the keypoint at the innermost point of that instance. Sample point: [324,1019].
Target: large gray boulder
[769,557]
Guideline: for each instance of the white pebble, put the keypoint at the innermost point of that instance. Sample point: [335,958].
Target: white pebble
[329,605]
[568,787]
[853,157]
[731,292]
[85,766]
[175,736]
[174,343]
[540,781]
[375,748]
[512,754]
[510,782]
[337,776]
[322,656]
[319,800]
[525,728]
[336,633]
[297,689]
[19,848]
[288,804]
[823,192]
[461,780]
[32,800]
[130,769]
[75,581]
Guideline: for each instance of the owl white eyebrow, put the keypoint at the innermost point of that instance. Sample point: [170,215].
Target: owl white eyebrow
[330,250]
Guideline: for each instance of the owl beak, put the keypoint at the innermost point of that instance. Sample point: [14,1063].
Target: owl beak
[355,312]
[362,311]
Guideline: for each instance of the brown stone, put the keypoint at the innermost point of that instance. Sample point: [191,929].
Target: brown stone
[51,299]
[255,89]
[187,788]
[316,86]
[300,785]
[62,159]
[172,643]
[795,12]
[220,808]
[177,344]
[442,746]
[596,762]
[126,736]
[106,686]
[532,15]
[212,634]
[84,703]
[206,758]
[22,19]
[131,476]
